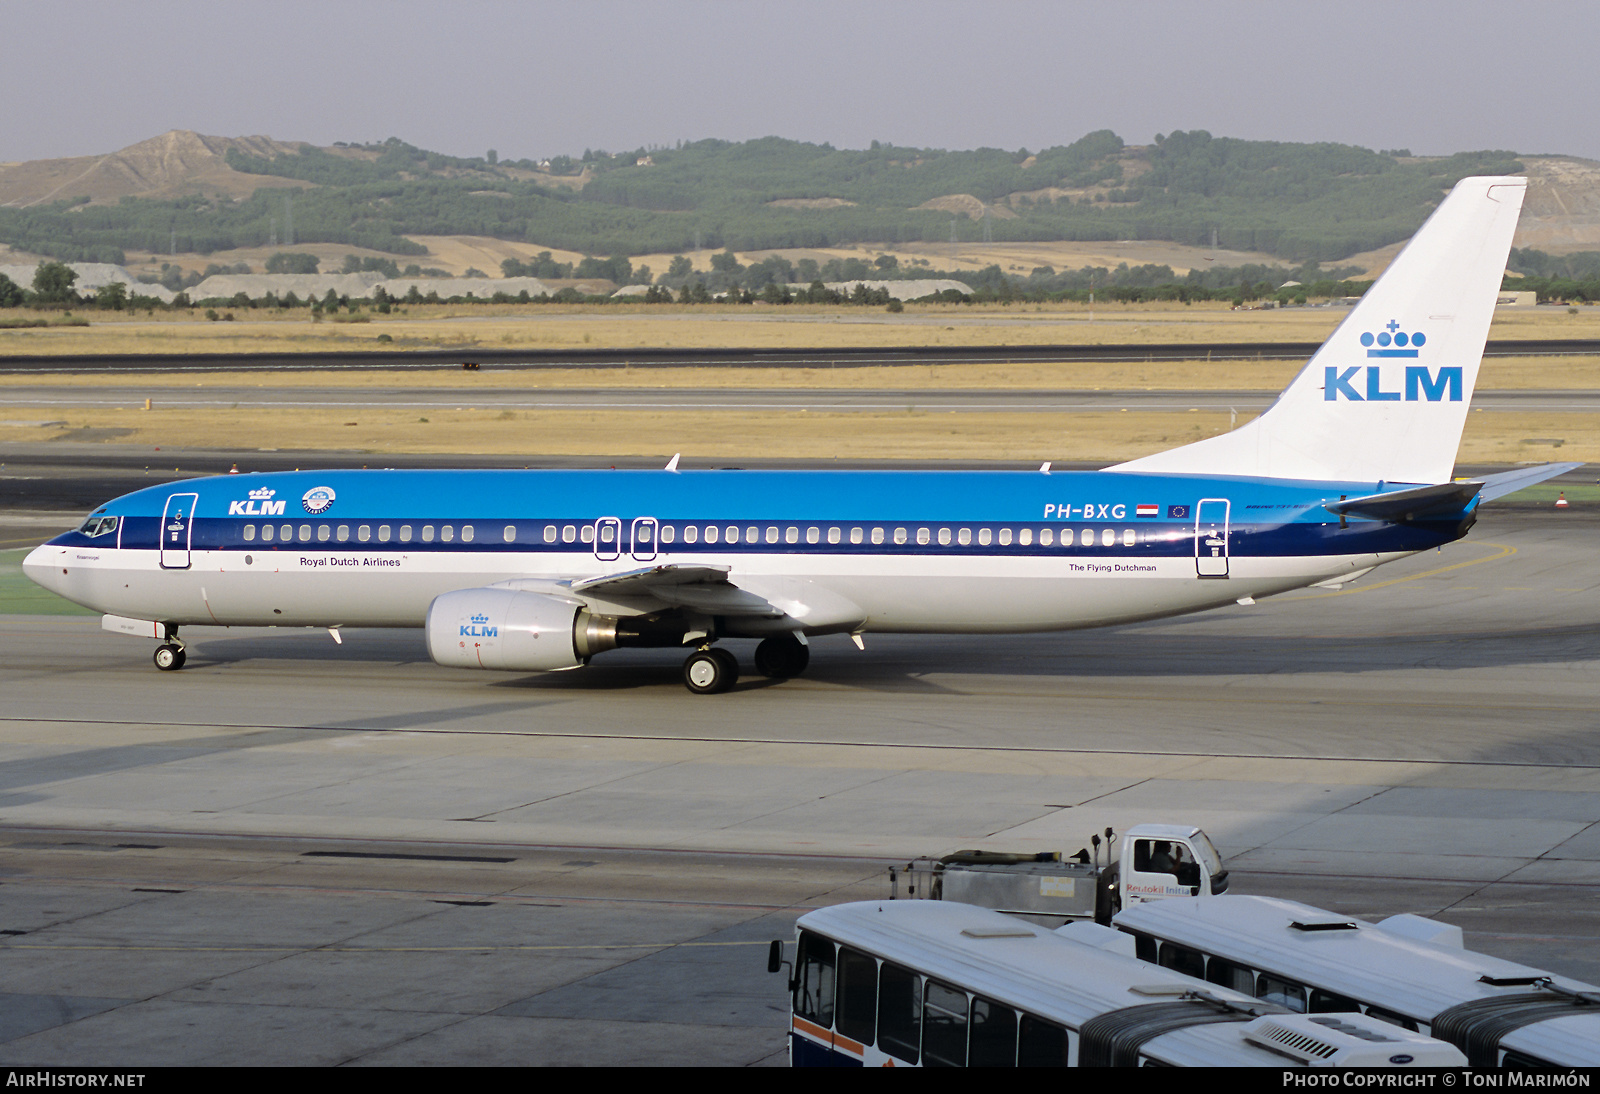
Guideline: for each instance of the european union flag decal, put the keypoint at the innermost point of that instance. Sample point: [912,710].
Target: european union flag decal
[1177,512]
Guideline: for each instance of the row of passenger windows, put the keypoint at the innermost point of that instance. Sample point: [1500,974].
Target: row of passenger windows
[288,533]
[644,534]
[916,1018]
[1289,994]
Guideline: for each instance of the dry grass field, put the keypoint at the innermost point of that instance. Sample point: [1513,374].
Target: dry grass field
[732,435]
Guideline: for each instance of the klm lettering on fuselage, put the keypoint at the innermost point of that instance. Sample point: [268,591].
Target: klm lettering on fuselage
[1419,385]
[259,505]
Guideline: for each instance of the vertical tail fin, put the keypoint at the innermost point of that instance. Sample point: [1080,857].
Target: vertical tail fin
[1386,396]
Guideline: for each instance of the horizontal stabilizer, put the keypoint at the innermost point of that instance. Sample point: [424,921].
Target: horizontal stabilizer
[1509,482]
[1403,505]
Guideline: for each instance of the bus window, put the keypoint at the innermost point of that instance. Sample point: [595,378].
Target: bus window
[1228,975]
[1144,948]
[1393,1019]
[813,989]
[1180,959]
[1325,1002]
[1285,993]
[899,1012]
[993,1040]
[858,995]
[944,1025]
[1041,1043]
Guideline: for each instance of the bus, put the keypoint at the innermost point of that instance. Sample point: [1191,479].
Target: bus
[1407,970]
[941,984]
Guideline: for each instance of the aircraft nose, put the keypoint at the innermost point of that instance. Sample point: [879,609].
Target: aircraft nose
[41,567]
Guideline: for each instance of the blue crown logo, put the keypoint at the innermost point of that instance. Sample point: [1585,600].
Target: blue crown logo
[479,620]
[1393,342]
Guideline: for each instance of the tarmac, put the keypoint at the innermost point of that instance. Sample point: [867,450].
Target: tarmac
[300,852]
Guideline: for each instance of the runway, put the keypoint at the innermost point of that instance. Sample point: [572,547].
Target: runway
[60,398]
[296,851]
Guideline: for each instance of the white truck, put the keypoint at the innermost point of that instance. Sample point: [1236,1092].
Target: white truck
[1155,862]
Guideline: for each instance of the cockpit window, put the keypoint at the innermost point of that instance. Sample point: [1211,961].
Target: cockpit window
[98,526]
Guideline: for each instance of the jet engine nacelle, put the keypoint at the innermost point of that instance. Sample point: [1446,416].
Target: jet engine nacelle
[514,630]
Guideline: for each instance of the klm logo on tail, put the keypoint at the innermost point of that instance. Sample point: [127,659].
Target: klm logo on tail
[1419,385]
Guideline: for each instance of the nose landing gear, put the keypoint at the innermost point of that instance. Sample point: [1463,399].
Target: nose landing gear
[170,655]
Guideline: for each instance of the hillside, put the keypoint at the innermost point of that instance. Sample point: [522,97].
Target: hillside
[202,195]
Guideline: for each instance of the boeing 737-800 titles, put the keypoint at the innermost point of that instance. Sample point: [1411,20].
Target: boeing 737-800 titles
[542,570]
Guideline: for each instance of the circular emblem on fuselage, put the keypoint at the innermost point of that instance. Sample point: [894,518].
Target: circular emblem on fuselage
[318,500]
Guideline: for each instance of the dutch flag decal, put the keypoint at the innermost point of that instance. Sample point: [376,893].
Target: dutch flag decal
[1148,511]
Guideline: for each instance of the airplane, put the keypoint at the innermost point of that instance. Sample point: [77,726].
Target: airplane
[542,570]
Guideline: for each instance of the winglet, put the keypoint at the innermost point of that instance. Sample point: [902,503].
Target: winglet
[672,464]
[1044,468]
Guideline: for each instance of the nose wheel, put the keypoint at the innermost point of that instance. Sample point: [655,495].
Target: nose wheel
[170,657]
[710,671]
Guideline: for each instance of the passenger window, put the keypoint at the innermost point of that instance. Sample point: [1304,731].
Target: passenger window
[1326,1002]
[608,533]
[587,533]
[1228,975]
[1285,993]
[1393,1019]
[1025,536]
[249,532]
[858,996]
[344,533]
[405,533]
[568,534]
[772,534]
[364,533]
[922,536]
[964,536]
[711,533]
[899,1012]
[752,534]
[877,535]
[323,533]
[668,533]
[383,533]
[730,534]
[833,535]
[468,532]
[944,1025]
[1066,537]
[509,533]
[550,533]
[813,989]
[813,535]
[1108,537]
[1041,1043]
[305,533]
[690,533]
[1128,537]
[1005,537]
[266,533]
[792,535]
[1182,959]
[992,1041]
[899,535]
[427,533]
[1144,948]
[1046,537]
[984,537]
[944,537]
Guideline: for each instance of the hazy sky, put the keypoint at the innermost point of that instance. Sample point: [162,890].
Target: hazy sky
[541,79]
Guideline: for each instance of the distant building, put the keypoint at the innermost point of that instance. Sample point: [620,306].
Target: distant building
[1510,298]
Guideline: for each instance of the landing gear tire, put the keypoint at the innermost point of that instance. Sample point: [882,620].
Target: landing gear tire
[781,657]
[710,671]
[170,658]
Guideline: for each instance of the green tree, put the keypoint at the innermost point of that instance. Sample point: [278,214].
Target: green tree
[292,262]
[113,296]
[52,283]
[11,295]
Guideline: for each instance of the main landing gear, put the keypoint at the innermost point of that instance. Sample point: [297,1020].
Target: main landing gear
[170,655]
[712,669]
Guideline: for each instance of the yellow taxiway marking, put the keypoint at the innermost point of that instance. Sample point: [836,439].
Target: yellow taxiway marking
[1506,551]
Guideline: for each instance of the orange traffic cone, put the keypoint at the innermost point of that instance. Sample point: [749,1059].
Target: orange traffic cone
[1561,502]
